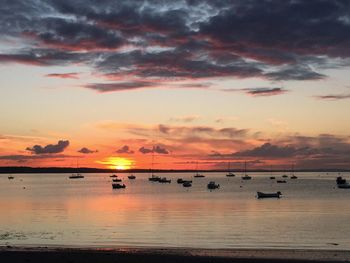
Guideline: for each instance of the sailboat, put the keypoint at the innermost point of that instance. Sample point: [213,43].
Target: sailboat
[293,175]
[153,178]
[246,177]
[77,175]
[230,174]
[198,175]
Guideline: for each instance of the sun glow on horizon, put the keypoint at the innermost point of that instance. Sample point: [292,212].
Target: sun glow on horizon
[118,163]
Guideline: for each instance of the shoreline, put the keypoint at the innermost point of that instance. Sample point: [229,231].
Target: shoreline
[193,255]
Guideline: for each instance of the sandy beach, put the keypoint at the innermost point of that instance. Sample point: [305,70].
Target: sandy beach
[131,255]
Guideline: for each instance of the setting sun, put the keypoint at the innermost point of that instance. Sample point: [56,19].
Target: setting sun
[118,163]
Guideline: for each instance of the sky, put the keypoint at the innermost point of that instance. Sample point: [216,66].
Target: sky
[207,84]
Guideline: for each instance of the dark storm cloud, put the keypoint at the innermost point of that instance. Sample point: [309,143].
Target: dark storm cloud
[278,40]
[50,148]
[87,150]
[124,149]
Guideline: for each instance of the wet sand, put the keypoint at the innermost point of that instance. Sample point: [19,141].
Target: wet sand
[155,255]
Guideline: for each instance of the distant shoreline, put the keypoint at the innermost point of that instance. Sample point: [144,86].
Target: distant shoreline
[155,255]
[26,169]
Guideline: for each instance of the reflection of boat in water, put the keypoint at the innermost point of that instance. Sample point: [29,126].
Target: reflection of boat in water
[212,185]
[187,184]
[113,176]
[342,183]
[132,177]
[246,177]
[11,177]
[230,174]
[268,195]
[164,180]
[116,180]
[281,181]
[118,186]
[76,176]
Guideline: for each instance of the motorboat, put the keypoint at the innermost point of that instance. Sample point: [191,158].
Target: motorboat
[187,184]
[340,180]
[272,177]
[113,176]
[294,177]
[246,177]
[342,183]
[281,181]
[285,176]
[164,180]
[11,177]
[268,195]
[116,180]
[198,175]
[132,177]
[76,176]
[181,181]
[154,178]
[212,185]
[118,186]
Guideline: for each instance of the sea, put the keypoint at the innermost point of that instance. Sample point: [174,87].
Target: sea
[52,210]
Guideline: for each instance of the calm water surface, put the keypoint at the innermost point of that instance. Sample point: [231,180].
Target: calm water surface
[53,210]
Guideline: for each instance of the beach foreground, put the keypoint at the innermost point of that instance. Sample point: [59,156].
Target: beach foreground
[155,255]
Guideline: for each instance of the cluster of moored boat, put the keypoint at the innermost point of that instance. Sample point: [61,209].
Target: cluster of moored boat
[116,181]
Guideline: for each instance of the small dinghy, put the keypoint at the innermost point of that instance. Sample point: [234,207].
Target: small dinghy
[268,195]
[164,180]
[116,180]
[118,186]
[212,185]
[187,184]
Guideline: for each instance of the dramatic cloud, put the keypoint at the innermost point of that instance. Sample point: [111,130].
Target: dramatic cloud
[50,148]
[157,41]
[125,149]
[87,151]
[72,75]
